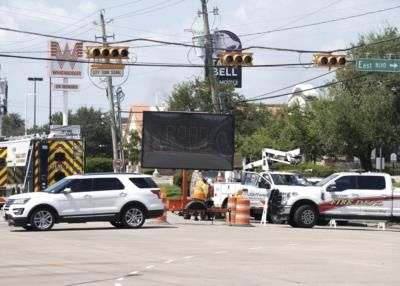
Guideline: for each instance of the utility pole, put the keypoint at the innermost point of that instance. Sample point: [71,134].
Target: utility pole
[208,60]
[110,97]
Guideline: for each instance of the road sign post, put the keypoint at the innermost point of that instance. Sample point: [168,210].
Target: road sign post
[378,65]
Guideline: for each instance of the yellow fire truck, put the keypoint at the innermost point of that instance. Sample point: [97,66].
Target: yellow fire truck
[32,163]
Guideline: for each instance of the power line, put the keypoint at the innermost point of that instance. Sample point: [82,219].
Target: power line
[320,23]
[148,9]
[183,44]
[122,5]
[145,64]
[48,36]
[303,17]
[292,85]
[308,89]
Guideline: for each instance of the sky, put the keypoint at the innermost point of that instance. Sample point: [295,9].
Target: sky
[176,21]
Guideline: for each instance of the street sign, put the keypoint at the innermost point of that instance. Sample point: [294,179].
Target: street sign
[65,87]
[106,70]
[378,65]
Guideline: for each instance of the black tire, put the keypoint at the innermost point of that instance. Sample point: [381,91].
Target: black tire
[133,216]
[292,223]
[305,216]
[42,219]
[117,224]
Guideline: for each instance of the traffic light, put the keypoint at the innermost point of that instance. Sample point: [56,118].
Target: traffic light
[236,59]
[108,53]
[329,60]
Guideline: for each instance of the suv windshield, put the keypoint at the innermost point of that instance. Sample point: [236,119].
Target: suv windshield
[57,187]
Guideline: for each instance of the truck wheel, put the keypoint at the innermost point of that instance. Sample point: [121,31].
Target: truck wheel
[42,219]
[305,216]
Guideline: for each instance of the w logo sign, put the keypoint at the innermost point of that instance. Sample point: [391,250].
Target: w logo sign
[65,59]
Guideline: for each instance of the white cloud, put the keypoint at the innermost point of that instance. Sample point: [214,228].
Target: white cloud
[87,7]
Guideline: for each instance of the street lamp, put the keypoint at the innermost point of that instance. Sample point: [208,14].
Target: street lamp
[34,79]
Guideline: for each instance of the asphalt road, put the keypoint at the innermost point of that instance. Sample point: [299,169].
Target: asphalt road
[199,253]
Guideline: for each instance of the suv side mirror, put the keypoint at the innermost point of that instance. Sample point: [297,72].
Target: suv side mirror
[331,188]
[66,191]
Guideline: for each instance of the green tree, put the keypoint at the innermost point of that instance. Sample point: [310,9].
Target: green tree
[133,147]
[12,125]
[363,114]
[95,129]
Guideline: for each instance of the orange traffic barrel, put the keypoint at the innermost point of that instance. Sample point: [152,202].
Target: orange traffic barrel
[232,207]
[163,218]
[242,217]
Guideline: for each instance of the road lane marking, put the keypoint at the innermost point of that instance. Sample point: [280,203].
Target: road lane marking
[188,257]
[255,248]
[220,252]
[149,266]
[120,279]
[169,261]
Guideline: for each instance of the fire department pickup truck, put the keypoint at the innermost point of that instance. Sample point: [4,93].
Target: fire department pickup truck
[341,196]
[257,187]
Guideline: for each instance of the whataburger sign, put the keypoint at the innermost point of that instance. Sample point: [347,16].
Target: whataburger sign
[65,56]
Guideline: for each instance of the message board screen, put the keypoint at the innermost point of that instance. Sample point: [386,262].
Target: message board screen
[187,140]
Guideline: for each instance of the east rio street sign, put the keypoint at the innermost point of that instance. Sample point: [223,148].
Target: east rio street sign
[378,65]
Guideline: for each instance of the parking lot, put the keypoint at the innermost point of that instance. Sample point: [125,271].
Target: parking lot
[199,253]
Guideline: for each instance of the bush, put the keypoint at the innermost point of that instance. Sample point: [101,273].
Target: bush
[172,190]
[98,164]
[307,169]
[177,179]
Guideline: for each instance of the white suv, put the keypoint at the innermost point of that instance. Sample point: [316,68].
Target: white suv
[125,200]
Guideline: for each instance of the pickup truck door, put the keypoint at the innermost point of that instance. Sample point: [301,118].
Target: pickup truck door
[375,196]
[258,189]
[340,195]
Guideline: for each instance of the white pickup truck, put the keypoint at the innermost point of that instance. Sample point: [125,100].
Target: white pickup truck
[257,187]
[341,196]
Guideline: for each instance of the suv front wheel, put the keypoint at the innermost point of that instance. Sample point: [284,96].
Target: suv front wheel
[133,216]
[41,219]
